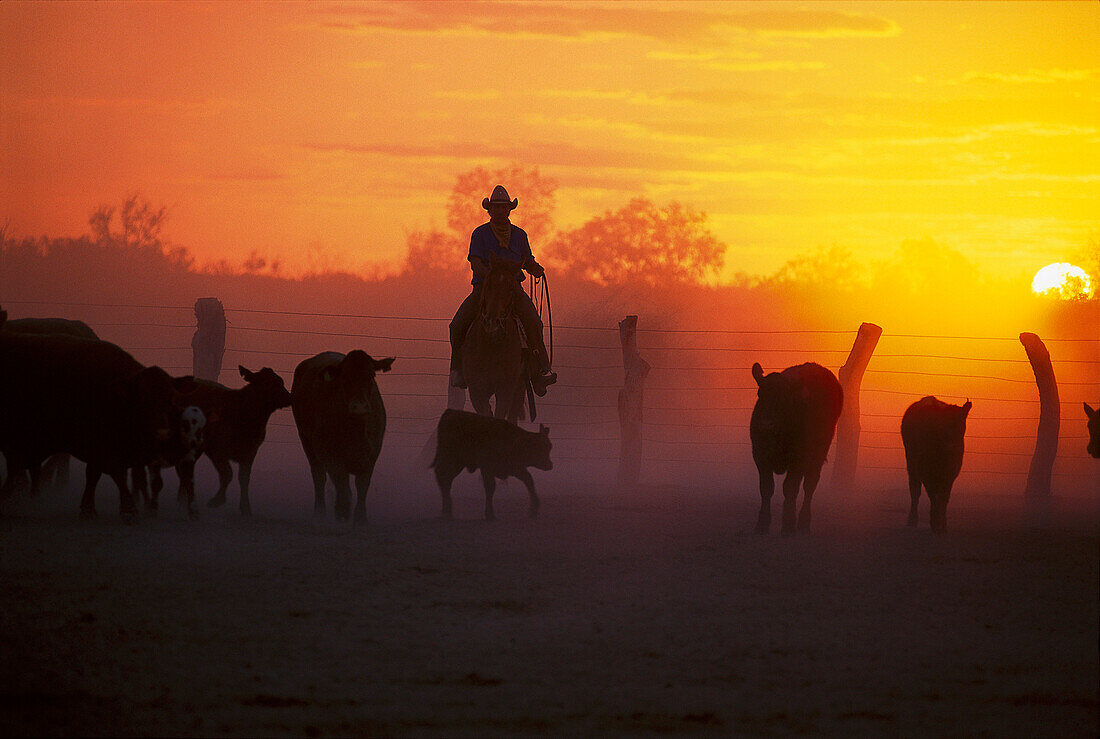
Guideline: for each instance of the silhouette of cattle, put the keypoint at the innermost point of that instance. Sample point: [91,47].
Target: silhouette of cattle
[791,429]
[1094,430]
[341,421]
[932,432]
[91,399]
[236,425]
[495,447]
[54,473]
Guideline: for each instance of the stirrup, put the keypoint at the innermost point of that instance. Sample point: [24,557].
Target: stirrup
[539,383]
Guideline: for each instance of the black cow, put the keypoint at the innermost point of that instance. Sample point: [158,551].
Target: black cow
[1094,430]
[495,447]
[55,471]
[93,400]
[932,432]
[341,421]
[791,430]
[236,426]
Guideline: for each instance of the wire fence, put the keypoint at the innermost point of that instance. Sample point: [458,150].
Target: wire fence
[698,396]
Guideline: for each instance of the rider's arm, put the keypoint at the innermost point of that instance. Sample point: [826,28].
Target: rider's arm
[479,266]
[532,267]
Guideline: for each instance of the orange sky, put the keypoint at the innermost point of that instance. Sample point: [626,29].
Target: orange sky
[320,134]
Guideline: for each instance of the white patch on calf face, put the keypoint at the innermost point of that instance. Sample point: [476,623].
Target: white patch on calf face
[192,423]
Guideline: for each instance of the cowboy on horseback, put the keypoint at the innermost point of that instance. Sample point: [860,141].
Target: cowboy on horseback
[501,238]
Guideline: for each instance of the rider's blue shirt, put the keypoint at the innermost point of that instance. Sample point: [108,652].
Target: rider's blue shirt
[483,242]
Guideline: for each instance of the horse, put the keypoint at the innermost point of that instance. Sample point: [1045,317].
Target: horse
[492,353]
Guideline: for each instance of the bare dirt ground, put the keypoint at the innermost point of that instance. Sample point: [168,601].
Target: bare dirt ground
[659,613]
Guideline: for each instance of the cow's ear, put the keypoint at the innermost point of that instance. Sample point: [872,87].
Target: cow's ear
[757,372]
[1089,412]
[3,317]
[245,373]
[544,429]
[383,365]
[966,408]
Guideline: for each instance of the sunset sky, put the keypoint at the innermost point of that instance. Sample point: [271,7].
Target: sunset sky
[320,134]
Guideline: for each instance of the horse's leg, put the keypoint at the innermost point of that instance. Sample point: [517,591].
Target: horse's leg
[479,399]
[445,476]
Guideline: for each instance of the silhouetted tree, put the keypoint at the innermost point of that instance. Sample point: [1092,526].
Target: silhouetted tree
[924,266]
[833,267]
[535,192]
[641,242]
[435,252]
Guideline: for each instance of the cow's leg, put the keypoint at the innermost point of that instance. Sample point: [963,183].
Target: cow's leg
[35,470]
[445,476]
[938,514]
[185,470]
[490,483]
[767,488]
[525,477]
[139,483]
[362,484]
[156,484]
[126,508]
[914,499]
[225,476]
[244,476]
[791,483]
[809,484]
[318,471]
[87,500]
[343,495]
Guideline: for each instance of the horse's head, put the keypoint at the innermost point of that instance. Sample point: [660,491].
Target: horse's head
[498,289]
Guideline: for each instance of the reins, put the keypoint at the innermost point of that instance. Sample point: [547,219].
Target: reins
[541,299]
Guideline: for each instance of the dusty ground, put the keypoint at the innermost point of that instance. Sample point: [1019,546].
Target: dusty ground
[657,613]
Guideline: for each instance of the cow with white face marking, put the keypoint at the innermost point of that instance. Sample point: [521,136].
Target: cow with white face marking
[91,399]
[236,427]
[341,421]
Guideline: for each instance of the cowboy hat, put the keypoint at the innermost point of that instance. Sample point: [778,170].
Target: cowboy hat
[500,195]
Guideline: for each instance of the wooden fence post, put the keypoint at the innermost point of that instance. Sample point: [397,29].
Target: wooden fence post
[630,404]
[1050,415]
[847,430]
[208,343]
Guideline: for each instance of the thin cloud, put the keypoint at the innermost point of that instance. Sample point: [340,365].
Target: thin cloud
[678,21]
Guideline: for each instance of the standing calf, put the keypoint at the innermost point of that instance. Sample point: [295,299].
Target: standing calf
[791,430]
[494,446]
[341,421]
[932,432]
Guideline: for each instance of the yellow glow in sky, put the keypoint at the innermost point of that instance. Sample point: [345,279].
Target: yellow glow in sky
[318,133]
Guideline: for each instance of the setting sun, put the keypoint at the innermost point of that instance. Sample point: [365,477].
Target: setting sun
[1062,280]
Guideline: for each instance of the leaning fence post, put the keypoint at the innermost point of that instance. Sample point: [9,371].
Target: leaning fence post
[1050,415]
[208,343]
[630,404]
[847,430]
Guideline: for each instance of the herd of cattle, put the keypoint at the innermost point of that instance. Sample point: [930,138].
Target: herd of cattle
[63,391]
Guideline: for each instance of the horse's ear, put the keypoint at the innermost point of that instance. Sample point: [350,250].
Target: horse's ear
[383,365]
[757,372]
[245,373]
[1089,411]
[544,429]
[966,408]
